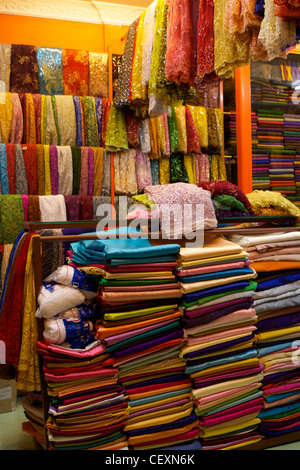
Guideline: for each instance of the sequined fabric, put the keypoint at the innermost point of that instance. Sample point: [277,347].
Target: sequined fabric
[202,167]
[6,115]
[148,38]
[190,166]
[116,136]
[125,174]
[76,72]
[98,74]
[205,37]
[143,171]
[50,70]
[218,170]
[121,97]
[178,172]
[138,90]
[179,42]
[229,52]
[276,34]
[173,131]
[181,128]
[191,131]
[164,170]
[5,53]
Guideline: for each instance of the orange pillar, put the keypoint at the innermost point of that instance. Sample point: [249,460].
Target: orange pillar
[243,128]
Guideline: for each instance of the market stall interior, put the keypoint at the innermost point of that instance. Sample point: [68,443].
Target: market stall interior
[149,217]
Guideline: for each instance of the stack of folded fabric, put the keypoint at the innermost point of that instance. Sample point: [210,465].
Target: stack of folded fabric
[276,258]
[297,177]
[270,128]
[140,328]
[218,289]
[291,130]
[282,175]
[230,129]
[87,406]
[254,128]
[260,169]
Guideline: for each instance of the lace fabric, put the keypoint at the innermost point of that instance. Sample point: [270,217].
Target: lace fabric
[98,74]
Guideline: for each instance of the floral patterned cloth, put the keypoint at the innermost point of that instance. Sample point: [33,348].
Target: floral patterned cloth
[76,72]
[50,70]
[143,171]
[24,69]
[98,74]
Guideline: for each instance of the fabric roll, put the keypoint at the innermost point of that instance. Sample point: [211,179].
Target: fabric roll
[98,170]
[21,184]
[4,170]
[16,133]
[39,149]
[24,69]
[11,168]
[54,169]
[50,72]
[75,72]
[53,208]
[5,54]
[65,170]
[66,118]
[29,157]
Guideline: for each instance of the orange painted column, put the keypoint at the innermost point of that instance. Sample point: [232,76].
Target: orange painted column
[243,128]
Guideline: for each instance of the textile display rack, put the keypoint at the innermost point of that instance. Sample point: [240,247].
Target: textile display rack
[32,227]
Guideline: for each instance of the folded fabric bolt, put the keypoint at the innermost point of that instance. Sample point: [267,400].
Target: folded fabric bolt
[59,330]
[199,286]
[213,246]
[56,298]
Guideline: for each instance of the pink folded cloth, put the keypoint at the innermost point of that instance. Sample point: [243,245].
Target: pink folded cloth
[212,269]
[221,335]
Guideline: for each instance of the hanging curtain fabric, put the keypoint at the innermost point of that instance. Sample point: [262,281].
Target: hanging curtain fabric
[192,136]
[53,208]
[205,37]
[106,106]
[164,170]
[145,136]
[65,170]
[218,169]
[16,133]
[139,91]
[34,212]
[148,38]
[49,127]
[24,69]
[25,205]
[86,208]
[75,72]
[132,129]
[6,115]
[66,119]
[50,70]
[5,53]
[202,164]
[178,172]
[181,128]
[98,74]
[106,178]
[90,171]
[155,171]
[99,110]
[190,166]
[11,217]
[143,171]
[72,207]
[125,174]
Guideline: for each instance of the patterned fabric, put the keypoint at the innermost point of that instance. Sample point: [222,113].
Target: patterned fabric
[21,184]
[98,74]
[37,100]
[11,168]
[98,170]
[125,174]
[5,53]
[72,207]
[76,159]
[84,174]
[11,217]
[178,172]
[24,69]
[91,124]
[54,169]
[29,134]
[39,150]
[65,170]
[98,108]
[48,190]
[143,171]
[34,212]
[66,119]
[50,70]
[29,156]
[6,115]
[76,72]
[116,136]
[78,114]
[3,170]
[16,134]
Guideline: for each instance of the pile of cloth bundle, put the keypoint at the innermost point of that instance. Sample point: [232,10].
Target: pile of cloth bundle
[275,257]
[282,171]
[140,328]
[218,288]
[260,169]
[291,129]
[86,405]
